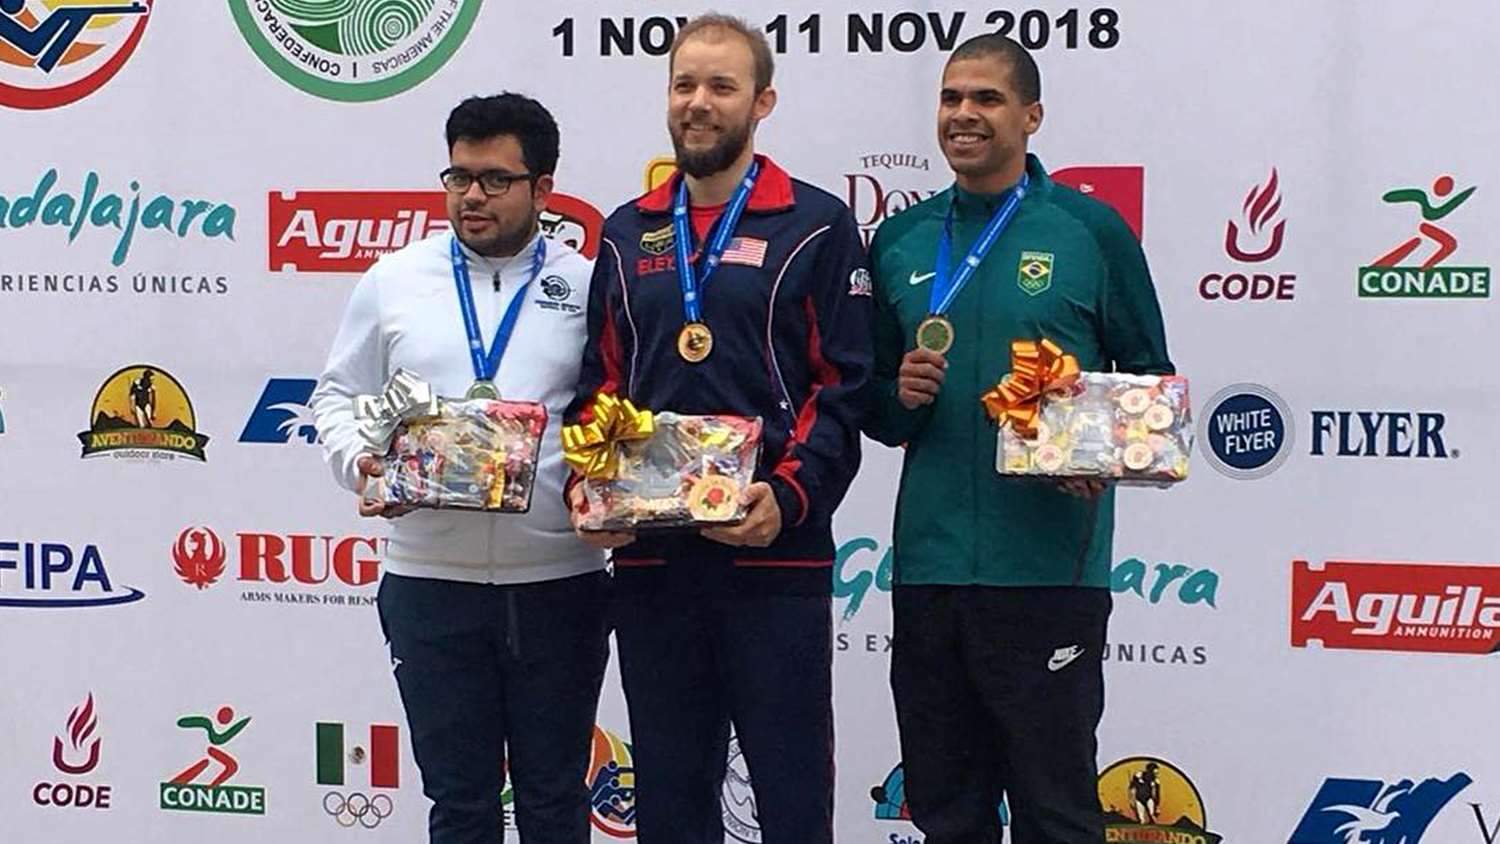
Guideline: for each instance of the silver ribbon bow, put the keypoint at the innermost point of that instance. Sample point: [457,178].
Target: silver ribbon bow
[406,397]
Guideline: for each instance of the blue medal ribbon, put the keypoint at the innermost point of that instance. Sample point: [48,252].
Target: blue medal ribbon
[687,275]
[946,284]
[486,364]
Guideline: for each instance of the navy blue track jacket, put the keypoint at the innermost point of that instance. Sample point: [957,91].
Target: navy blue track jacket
[790,309]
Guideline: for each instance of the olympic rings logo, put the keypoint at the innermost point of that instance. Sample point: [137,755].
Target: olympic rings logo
[357,808]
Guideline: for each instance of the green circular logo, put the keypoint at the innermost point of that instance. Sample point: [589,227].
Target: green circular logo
[354,50]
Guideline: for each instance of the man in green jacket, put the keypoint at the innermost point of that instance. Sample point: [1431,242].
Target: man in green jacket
[1001,592]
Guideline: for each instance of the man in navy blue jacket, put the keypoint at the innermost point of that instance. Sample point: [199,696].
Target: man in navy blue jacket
[772,319]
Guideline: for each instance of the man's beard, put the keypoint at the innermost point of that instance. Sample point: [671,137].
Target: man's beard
[500,243]
[715,159]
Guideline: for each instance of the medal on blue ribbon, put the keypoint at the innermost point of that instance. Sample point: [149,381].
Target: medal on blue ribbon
[487,362]
[695,340]
[935,333]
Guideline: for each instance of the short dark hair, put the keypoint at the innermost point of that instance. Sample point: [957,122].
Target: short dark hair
[760,49]
[482,118]
[1024,76]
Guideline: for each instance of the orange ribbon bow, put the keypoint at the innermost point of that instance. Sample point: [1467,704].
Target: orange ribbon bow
[1037,369]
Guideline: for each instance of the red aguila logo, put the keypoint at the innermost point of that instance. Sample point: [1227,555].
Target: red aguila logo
[348,231]
[1378,606]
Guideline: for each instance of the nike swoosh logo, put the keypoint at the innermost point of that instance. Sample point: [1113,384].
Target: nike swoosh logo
[918,278]
[1062,657]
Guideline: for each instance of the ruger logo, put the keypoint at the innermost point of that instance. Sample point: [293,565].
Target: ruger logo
[200,558]
[1439,608]
[348,231]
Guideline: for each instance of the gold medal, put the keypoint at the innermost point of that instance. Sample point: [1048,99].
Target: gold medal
[694,342]
[935,334]
[713,498]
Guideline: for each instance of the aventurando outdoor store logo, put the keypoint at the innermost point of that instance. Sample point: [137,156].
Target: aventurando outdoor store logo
[355,50]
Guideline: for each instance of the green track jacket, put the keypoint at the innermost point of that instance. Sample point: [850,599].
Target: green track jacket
[1067,268]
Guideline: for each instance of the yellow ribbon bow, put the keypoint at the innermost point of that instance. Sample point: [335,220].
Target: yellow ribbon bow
[591,449]
[1037,368]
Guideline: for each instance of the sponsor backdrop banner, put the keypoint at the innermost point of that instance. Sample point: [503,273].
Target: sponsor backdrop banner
[1299,645]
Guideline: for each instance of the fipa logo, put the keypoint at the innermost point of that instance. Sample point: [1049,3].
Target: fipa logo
[1380,606]
[56,575]
[55,52]
[348,231]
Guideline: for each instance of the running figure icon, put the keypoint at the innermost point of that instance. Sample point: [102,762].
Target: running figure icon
[1446,242]
[216,738]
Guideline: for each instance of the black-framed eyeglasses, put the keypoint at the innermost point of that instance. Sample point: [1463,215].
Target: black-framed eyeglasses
[492,182]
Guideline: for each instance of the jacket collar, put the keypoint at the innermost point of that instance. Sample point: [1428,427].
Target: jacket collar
[986,203]
[772,192]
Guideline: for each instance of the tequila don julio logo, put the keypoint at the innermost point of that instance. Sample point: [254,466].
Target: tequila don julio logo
[354,50]
[143,412]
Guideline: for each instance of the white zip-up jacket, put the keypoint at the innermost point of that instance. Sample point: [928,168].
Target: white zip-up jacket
[404,313]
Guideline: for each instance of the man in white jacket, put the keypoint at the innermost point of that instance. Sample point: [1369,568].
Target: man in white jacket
[497,623]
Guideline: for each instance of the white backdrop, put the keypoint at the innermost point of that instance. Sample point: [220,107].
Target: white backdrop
[1343,101]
